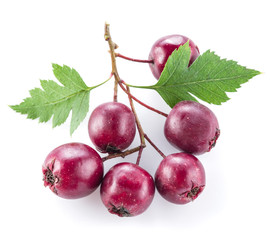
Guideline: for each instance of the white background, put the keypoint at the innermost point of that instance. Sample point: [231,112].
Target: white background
[34,34]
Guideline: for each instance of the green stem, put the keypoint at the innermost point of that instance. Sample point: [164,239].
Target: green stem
[90,88]
[145,87]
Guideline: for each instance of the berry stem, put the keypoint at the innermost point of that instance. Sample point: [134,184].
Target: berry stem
[154,146]
[122,154]
[112,46]
[140,102]
[133,59]
[139,126]
[115,89]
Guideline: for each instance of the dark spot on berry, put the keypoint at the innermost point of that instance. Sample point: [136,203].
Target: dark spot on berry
[193,192]
[213,141]
[112,149]
[120,211]
[49,177]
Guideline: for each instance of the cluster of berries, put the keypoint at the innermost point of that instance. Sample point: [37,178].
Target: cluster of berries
[75,170]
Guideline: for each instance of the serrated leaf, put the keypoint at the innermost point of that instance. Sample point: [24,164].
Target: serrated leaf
[69,77]
[208,78]
[79,110]
[58,101]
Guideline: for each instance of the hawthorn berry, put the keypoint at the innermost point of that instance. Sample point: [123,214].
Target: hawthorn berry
[180,178]
[192,127]
[112,127]
[163,48]
[72,170]
[127,190]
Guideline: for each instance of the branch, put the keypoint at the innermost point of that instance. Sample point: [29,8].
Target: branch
[112,46]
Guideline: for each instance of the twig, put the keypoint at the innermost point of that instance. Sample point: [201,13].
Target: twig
[112,46]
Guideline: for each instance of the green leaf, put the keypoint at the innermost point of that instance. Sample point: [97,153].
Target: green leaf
[58,100]
[208,78]
[79,110]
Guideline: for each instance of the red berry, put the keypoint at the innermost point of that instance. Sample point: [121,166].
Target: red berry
[112,127]
[127,190]
[73,170]
[164,47]
[180,178]
[192,127]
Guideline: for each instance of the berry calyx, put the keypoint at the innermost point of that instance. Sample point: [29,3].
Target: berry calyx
[127,190]
[112,127]
[180,178]
[163,48]
[192,127]
[72,170]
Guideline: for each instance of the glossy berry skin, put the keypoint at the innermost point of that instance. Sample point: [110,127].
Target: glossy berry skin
[73,170]
[164,47]
[127,190]
[112,127]
[192,127]
[180,178]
